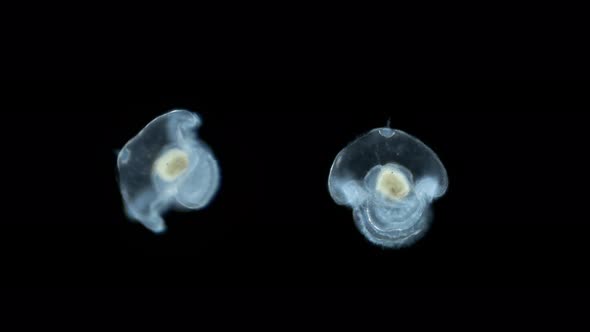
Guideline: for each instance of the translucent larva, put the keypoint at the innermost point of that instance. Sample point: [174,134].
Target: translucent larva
[389,178]
[165,165]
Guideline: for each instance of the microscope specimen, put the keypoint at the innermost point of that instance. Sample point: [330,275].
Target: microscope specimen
[166,166]
[390,179]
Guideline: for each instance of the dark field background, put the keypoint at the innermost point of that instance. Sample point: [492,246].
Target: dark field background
[514,214]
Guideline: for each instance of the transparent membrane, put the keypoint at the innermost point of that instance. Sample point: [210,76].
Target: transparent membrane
[166,166]
[389,178]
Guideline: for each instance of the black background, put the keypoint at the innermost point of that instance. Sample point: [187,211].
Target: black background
[513,215]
